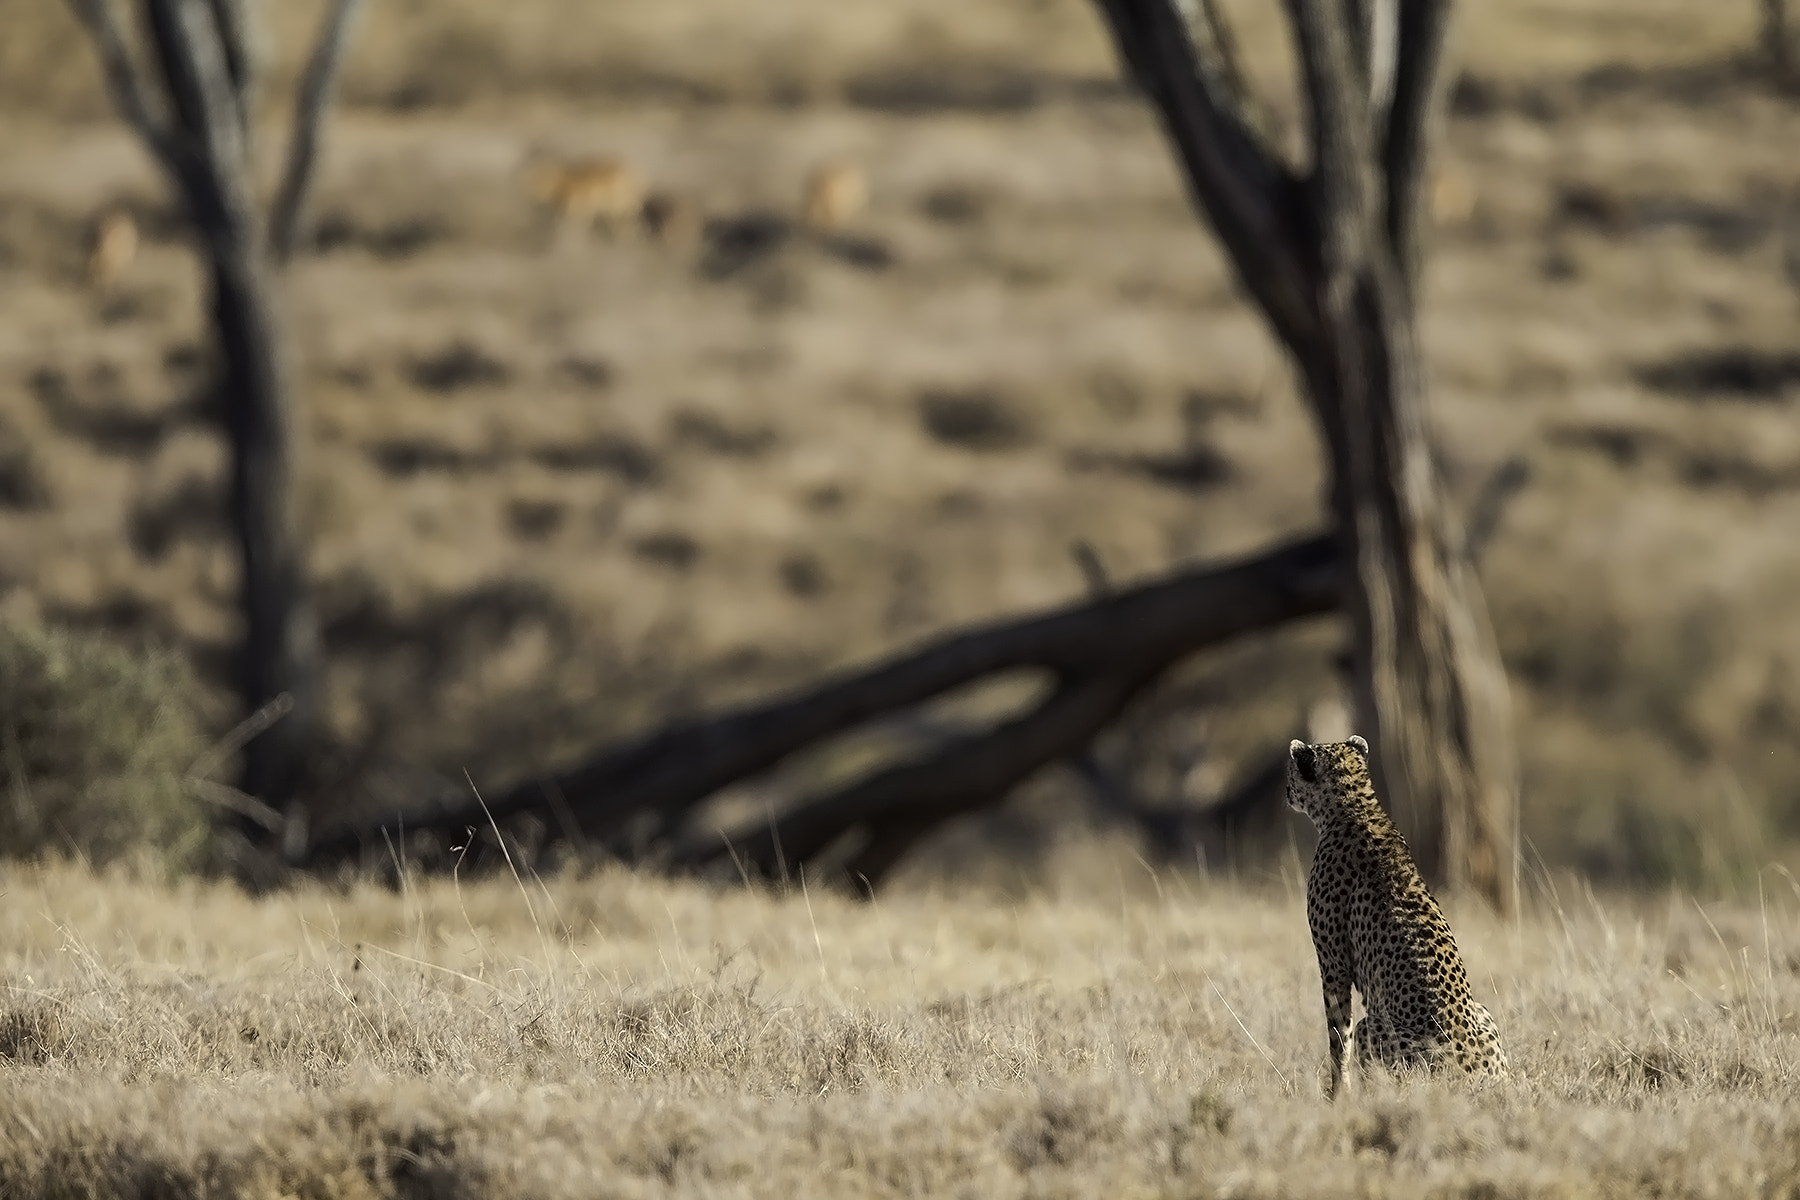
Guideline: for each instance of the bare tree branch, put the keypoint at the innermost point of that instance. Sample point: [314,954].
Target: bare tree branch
[207,110]
[1340,293]
[171,26]
[672,771]
[1374,33]
[1173,832]
[1216,58]
[1418,80]
[1339,109]
[1490,503]
[237,48]
[1093,571]
[204,60]
[309,116]
[1246,191]
[124,82]
[902,804]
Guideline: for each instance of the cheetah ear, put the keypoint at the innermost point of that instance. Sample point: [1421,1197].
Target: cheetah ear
[1305,760]
[1361,746]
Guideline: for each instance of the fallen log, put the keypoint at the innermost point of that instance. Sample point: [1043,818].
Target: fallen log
[1100,655]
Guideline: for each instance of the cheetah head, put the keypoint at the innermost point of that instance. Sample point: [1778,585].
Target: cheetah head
[1319,775]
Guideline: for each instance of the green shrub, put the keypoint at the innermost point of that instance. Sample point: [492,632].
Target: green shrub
[94,743]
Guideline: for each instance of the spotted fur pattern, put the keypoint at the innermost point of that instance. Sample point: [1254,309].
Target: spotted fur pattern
[1377,928]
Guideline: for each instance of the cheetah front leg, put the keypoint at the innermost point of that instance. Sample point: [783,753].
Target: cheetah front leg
[1337,1029]
[1335,975]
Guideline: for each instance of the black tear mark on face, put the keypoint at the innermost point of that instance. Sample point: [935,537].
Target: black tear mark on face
[1306,760]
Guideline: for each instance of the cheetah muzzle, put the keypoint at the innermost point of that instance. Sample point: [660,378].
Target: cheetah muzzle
[1376,927]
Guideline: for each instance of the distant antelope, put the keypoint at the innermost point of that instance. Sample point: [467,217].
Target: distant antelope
[1452,198]
[835,194]
[585,190]
[671,220]
[115,245]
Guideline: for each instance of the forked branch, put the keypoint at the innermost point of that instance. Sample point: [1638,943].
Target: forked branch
[1418,82]
[197,80]
[309,117]
[238,54]
[1336,274]
[1216,59]
[1248,193]
[1338,103]
[200,65]
[126,85]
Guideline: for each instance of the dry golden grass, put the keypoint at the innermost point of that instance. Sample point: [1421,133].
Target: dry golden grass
[559,494]
[1126,1036]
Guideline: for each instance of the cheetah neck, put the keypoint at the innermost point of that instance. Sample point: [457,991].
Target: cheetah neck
[1358,813]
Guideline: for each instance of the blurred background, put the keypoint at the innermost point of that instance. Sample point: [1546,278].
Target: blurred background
[655,358]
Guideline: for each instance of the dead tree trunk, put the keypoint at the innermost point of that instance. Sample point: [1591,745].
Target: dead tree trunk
[1331,254]
[280,652]
[193,103]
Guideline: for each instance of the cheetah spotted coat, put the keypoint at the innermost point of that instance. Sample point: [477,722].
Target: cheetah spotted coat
[1376,927]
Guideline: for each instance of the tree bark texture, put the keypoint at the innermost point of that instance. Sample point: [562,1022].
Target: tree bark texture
[1332,254]
[280,650]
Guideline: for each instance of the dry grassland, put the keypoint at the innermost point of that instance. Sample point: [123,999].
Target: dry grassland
[562,486]
[626,1036]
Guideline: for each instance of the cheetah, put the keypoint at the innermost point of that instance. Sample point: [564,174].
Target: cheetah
[1375,926]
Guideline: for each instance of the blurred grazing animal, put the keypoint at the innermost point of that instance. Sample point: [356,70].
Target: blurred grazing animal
[583,191]
[1376,926]
[671,220]
[1452,198]
[115,246]
[835,194]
